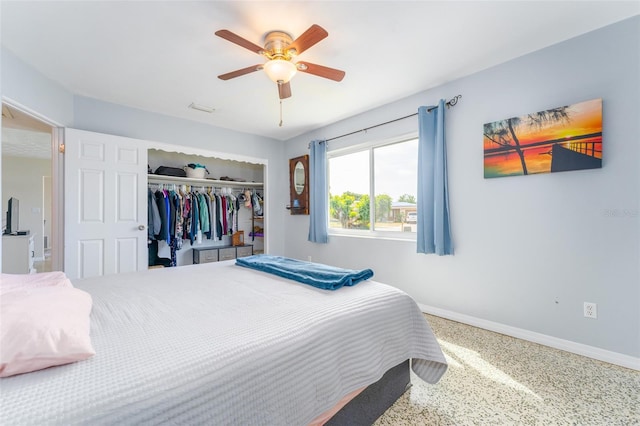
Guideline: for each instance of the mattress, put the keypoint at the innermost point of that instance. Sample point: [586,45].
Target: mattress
[220,344]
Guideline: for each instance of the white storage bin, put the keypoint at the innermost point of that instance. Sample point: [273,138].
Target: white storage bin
[197,173]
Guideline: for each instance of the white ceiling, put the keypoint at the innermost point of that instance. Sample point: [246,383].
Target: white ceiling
[162,56]
[25,143]
[24,136]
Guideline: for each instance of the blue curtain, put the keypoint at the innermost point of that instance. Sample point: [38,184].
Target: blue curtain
[318,197]
[434,228]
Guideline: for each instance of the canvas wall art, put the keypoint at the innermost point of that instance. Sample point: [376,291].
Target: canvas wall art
[555,140]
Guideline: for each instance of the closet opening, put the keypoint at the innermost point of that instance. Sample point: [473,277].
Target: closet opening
[229,196]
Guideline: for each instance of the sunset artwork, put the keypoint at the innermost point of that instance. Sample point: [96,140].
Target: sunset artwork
[556,140]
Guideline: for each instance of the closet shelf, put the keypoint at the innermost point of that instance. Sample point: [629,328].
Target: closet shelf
[152,178]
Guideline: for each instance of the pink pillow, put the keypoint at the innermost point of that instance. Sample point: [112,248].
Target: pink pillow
[42,327]
[9,282]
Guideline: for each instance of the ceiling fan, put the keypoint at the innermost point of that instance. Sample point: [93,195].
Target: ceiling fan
[280,49]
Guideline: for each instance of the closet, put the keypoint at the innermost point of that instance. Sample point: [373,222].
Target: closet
[106,201]
[215,218]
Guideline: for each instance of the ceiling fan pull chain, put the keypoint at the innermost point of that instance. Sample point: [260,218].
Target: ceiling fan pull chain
[280,125]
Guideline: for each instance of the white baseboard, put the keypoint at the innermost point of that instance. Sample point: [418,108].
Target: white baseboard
[543,339]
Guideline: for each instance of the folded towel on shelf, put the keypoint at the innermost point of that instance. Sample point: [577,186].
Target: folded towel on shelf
[316,274]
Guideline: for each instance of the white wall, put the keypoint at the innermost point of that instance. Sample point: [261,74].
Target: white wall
[529,250]
[22,178]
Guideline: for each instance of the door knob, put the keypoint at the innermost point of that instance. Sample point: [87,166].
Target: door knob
[141,227]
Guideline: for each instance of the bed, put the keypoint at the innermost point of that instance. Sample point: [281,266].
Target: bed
[221,344]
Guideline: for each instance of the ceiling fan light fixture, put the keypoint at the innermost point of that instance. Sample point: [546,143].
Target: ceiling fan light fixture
[280,70]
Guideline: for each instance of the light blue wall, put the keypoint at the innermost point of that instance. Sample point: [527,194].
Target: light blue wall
[529,250]
[105,117]
[26,87]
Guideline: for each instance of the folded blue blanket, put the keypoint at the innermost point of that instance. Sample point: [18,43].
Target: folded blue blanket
[318,275]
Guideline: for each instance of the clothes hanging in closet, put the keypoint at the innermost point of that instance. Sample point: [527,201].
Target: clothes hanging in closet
[175,216]
[153,216]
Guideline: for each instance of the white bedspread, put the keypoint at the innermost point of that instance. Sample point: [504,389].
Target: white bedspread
[220,344]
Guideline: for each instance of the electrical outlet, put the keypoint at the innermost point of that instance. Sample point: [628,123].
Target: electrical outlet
[590,310]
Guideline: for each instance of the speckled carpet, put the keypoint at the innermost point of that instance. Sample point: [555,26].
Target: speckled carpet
[495,379]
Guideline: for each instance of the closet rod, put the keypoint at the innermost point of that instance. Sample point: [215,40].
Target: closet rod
[451,102]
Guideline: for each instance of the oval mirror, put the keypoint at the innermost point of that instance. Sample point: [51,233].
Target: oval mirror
[298,178]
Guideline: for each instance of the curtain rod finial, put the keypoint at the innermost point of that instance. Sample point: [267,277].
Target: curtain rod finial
[453,101]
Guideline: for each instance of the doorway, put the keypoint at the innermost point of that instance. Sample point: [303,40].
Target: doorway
[29,175]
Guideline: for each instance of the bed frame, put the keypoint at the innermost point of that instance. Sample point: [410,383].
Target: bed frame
[371,403]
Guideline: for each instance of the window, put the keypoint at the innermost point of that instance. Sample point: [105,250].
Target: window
[373,189]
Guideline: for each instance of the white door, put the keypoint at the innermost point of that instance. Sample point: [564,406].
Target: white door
[105,204]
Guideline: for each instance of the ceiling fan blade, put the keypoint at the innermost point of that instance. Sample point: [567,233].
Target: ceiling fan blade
[313,35]
[321,71]
[238,73]
[234,38]
[284,90]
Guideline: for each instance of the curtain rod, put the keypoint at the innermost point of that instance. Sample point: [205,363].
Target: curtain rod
[451,102]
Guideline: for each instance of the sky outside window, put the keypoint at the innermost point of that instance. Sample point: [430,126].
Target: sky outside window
[349,173]
[396,168]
